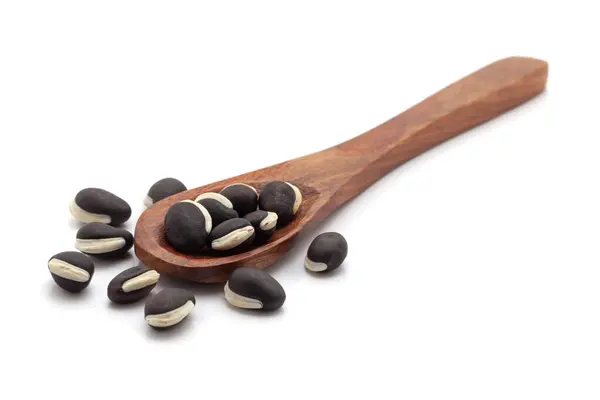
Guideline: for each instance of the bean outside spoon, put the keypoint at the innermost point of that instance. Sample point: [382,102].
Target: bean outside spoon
[331,177]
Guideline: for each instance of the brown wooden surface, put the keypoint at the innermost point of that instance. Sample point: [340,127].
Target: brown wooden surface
[331,177]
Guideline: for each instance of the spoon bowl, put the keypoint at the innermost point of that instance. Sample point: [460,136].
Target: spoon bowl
[215,267]
[331,177]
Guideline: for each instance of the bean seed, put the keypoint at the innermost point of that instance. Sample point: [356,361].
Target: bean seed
[234,233]
[71,270]
[218,212]
[99,205]
[215,196]
[187,225]
[282,198]
[243,197]
[100,239]
[162,189]
[254,289]
[264,223]
[132,285]
[326,252]
[168,307]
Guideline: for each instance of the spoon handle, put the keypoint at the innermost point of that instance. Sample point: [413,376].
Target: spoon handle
[347,169]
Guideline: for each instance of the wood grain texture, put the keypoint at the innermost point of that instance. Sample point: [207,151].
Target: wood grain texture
[331,177]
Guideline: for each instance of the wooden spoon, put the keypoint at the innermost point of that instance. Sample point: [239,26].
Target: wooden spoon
[331,177]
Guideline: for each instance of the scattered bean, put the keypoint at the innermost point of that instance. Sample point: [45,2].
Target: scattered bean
[99,205]
[162,189]
[218,212]
[100,239]
[243,197]
[132,285]
[264,223]
[71,270]
[168,307]
[326,252]
[187,225]
[282,198]
[233,233]
[254,289]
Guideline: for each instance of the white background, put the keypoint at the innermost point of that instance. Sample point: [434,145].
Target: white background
[473,270]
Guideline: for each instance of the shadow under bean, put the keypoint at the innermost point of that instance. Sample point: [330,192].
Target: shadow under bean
[339,271]
[56,293]
[184,327]
[197,288]
[257,313]
[127,306]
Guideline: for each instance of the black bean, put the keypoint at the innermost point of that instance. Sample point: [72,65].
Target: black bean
[132,285]
[255,289]
[100,239]
[215,196]
[282,198]
[264,223]
[326,252]
[162,189]
[236,233]
[168,307]
[218,212]
[71,270]
[99,205]
[187,225]
[243,197]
